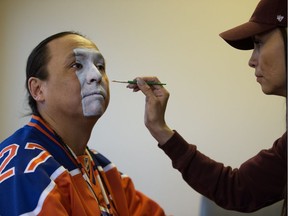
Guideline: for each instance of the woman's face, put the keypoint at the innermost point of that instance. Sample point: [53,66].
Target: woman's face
[268,59]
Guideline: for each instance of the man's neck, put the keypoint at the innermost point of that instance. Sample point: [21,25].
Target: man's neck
[74,132]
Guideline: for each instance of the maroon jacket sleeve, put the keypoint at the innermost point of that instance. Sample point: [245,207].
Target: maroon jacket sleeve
[258,182]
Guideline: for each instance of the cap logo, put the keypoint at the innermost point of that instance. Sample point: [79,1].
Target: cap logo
[280,18]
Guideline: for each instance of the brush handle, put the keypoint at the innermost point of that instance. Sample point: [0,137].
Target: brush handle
[148,82]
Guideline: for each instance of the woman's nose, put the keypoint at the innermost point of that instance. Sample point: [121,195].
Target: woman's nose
[253,59]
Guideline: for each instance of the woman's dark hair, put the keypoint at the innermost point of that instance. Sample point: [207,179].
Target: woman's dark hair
[284,35]
[37,64]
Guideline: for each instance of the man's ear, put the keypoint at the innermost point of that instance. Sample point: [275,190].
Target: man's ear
[35,86]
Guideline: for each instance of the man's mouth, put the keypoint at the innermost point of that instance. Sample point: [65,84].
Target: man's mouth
[94,93]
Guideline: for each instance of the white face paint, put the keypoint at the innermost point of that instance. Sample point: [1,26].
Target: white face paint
[94,90]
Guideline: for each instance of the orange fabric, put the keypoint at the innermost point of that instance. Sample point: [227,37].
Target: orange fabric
[48,180]
[71,196]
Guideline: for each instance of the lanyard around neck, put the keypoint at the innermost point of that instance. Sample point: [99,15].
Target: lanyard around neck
[70,152]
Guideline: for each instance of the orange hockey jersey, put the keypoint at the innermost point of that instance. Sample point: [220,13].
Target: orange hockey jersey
[38,176]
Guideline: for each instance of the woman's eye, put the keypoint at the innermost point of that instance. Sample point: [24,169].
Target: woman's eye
[257,42]
[77,66]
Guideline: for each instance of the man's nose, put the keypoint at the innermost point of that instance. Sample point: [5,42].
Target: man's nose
[93,75]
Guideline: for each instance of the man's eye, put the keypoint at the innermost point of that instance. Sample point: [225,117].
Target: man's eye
[77,66]
[100,67]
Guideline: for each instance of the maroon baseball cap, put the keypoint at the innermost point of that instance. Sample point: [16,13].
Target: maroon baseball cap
[269,14]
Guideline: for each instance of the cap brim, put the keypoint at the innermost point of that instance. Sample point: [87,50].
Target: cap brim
[241,37]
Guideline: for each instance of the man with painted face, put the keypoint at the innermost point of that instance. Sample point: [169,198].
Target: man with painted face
[46,167]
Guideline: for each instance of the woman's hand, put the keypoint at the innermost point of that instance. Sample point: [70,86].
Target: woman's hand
[156,101]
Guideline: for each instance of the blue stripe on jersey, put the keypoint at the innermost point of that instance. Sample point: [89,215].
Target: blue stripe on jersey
[23,189]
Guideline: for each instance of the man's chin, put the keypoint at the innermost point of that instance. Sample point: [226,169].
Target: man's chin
[93,113]
[93,108]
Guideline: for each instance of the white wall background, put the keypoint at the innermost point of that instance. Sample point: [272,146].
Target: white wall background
[215,101]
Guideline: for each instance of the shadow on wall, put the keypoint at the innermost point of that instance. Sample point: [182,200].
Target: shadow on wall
[209,208]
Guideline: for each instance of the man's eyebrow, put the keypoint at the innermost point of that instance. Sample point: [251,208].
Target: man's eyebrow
[70,59]
[88,52]
[71,56]
[79,54]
